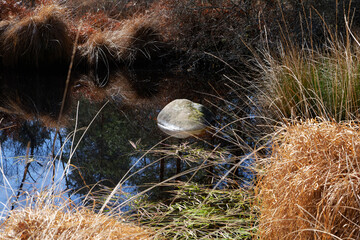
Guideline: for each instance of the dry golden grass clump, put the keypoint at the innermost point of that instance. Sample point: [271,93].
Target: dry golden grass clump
[50,222]
[39,40]
[311,187]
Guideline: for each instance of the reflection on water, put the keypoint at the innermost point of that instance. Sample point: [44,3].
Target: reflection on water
[120,134]
[27,96]
[15,154]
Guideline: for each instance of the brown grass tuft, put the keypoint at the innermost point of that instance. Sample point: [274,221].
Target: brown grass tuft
[49,222]
[135,40]
[37,41]
[310,188]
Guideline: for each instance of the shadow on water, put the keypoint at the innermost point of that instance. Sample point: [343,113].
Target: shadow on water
[125,128]
[28,96]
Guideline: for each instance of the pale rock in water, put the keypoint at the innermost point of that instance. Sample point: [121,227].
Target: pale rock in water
[183,118]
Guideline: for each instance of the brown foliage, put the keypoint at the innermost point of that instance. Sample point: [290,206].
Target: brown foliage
[310,188]
[124,43]
[10,9]
[202,25]
[134,40]
[119,10]
[39,40]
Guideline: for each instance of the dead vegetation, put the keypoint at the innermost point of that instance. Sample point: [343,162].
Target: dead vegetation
[310,187]
[135,40]
[309,190]
[49,221]
[45,37]
[54,224]
[39,40]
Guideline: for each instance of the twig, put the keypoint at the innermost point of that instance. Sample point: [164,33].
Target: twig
[27,162]
[64,98]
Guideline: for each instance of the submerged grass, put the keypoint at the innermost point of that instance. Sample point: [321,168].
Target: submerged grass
[310,185]
[200,212]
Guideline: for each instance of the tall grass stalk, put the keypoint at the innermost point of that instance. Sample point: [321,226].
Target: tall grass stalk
[313,82]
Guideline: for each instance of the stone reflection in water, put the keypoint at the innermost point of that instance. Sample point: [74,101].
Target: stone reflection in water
[107,152]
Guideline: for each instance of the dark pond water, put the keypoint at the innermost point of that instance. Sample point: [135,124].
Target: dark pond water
[100,135]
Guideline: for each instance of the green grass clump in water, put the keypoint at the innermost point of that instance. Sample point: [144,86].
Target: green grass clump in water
[198,212]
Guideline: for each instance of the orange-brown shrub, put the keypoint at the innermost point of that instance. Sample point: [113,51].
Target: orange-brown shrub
[49,222]
[114,9]
[311,186]
[211,26]
[38,40]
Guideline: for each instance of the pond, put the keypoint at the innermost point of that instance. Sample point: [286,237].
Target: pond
[97,136]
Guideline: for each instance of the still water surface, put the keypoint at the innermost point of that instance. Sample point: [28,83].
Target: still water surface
[114,127]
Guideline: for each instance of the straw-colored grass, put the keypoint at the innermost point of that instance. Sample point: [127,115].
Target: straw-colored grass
[310,189]
[50,221]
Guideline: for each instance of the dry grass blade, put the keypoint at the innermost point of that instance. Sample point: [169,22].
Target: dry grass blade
[310,188]
[53,222]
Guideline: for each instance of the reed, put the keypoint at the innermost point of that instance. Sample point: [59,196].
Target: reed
[311,81]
